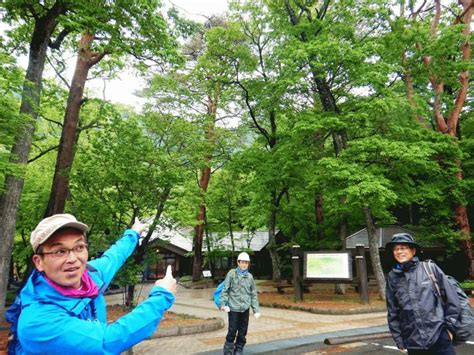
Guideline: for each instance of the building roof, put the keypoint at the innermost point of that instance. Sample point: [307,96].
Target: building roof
[180,240]
[384,235]
[242,240]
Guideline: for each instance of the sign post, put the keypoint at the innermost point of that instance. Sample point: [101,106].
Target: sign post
[295,263]
[361,268]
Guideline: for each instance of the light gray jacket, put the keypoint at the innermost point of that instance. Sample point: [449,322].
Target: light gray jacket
[239,292]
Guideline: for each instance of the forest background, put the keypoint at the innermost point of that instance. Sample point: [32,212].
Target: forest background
[350,114]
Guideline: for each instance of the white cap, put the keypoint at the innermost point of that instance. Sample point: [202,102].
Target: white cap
[49,225]
[243,257]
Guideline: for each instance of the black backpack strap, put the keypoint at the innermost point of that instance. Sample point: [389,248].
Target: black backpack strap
[232,276]
[431,275]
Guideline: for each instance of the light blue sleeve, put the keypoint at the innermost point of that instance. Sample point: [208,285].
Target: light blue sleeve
[113,259]
[52,330]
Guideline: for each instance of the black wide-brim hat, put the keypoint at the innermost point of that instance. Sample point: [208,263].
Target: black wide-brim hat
[402,238]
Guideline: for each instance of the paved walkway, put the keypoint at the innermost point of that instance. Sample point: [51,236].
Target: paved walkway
[274,325]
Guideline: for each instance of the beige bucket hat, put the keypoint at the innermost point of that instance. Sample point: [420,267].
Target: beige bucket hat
[49,225]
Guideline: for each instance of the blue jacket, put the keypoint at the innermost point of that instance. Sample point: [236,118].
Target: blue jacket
[52,323]
[416,316]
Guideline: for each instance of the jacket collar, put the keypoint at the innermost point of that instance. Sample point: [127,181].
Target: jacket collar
[406,267]
[38,290]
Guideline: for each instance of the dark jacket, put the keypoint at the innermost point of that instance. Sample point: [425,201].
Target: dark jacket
[416,315]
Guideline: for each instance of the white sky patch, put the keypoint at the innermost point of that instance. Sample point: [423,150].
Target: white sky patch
[122,90]
[199,10]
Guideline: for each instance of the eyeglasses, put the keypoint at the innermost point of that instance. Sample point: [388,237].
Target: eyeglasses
[64,252]
[401,248]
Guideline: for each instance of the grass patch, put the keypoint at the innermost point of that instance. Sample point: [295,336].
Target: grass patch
[467,284]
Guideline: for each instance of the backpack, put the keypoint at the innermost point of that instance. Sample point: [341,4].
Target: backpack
[463,328]
[12,315]
[220,287]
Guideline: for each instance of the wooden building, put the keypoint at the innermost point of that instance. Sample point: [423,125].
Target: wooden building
[174,247]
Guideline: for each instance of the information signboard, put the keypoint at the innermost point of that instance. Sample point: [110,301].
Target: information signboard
[330,266]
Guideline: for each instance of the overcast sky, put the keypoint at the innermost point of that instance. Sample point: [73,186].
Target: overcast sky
[122,90]
[199,9]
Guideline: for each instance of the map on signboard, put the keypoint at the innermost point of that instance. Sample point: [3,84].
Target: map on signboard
[327,266]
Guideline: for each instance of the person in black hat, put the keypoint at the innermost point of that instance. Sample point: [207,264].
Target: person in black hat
[419,321]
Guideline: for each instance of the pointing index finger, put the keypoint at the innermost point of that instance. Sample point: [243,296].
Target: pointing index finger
[169,271]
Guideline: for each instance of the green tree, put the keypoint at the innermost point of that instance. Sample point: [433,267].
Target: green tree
[441,41]
[114,29]
[10,120]
[41,18]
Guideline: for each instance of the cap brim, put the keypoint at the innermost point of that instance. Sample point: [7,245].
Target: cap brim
[77,225]
[390,245]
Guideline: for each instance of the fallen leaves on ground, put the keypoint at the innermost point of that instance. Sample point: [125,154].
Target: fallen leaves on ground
[169,319]
[321,299]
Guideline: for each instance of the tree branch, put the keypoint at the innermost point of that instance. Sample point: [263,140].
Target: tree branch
[96,58]
[58,73]
[434,24]
[280,195]
[417,12]
[464,76]
[42,153]
[61,36]
[52,121]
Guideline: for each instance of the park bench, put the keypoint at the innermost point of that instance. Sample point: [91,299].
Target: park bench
[355,285]
[281,287]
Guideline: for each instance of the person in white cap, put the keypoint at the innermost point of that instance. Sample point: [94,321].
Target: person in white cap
[62,310]
[238,296]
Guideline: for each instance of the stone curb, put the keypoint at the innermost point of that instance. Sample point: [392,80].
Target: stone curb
[326,311]
[209,284]
[215,324]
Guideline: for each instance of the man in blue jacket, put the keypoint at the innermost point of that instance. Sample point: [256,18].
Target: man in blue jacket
[420,322]
[61,309]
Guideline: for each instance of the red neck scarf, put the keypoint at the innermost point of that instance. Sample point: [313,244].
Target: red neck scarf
[88,287]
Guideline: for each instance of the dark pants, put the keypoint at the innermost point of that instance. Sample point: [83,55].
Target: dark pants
[238,324]
[443,346]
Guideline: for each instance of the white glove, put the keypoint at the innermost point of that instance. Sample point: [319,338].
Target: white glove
[256,315]
[168,282]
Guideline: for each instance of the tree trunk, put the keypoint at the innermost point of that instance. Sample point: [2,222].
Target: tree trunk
[340,289]
[319,214]
[30,100]
[448,124]
[140,251]
[465,243]
[272,245]
[211,257]
[231,229]
[203,184]
[66,151]
[198,237]
[374,252]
